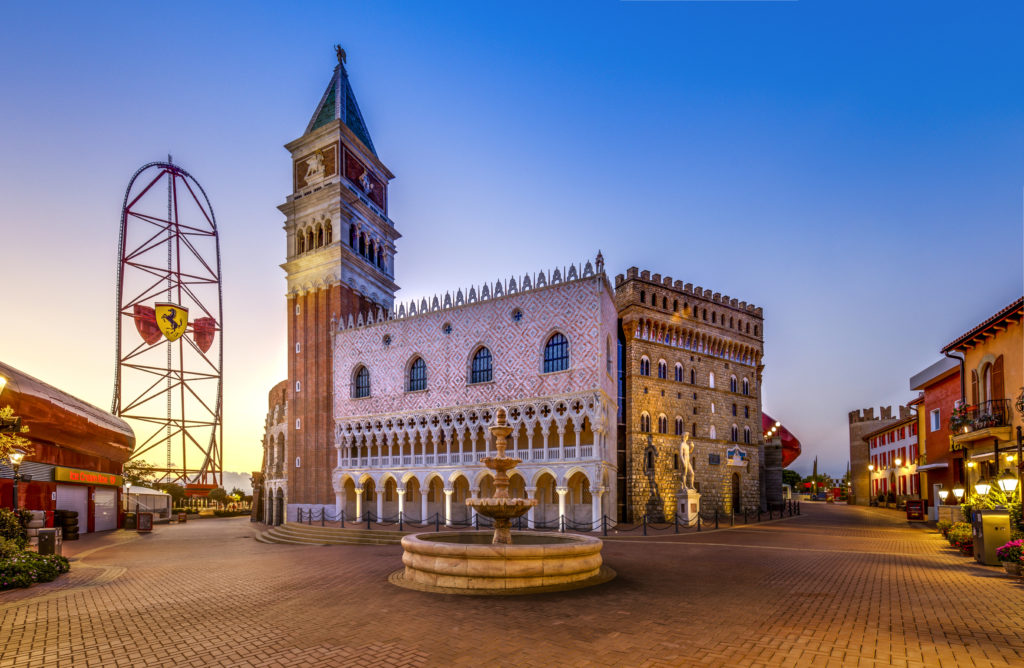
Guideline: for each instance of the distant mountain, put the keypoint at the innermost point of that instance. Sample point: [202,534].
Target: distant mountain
[234,479]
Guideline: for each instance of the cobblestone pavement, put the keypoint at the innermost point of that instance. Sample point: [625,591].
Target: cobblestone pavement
[837,586]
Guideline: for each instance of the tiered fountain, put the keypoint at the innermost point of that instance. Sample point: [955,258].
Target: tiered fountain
[502,562]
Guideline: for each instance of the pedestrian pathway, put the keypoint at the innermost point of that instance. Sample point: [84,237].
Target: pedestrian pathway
[836,586]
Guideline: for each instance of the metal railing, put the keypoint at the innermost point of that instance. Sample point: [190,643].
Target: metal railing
[985,415]
[710,519]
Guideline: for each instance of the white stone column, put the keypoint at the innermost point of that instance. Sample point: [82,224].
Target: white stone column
[562,491]
[530,519]
[448,507]
[423,502]
[359,503]
[595,507]
[379,493]
[338,458]
[472,511]
[401,501]
[339,501]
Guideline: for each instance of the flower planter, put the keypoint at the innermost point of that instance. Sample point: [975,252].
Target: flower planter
[1011,567]
[968,550]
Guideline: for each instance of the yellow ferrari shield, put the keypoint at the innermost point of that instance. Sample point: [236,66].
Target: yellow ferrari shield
[171,319]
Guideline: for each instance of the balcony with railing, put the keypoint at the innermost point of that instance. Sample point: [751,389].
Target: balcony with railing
[988,419]
[454,459]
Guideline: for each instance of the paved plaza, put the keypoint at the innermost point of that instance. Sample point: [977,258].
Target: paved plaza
[836,586]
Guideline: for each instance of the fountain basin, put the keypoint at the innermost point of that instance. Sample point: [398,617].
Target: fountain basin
[466,562]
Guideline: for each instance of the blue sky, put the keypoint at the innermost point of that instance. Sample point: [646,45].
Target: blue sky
[852,167]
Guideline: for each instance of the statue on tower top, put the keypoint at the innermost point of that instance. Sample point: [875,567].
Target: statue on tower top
[340,52]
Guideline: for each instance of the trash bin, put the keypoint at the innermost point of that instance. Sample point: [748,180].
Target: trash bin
[991,531]
[129,521]
[50,541]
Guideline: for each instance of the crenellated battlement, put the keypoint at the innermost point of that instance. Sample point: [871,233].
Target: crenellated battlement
[486,292]
[634,273]
[885,413]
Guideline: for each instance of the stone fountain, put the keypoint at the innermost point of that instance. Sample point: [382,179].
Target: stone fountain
[502,562]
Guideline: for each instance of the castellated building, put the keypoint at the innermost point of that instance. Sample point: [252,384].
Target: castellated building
[385,408]
[415,393]
[690,361]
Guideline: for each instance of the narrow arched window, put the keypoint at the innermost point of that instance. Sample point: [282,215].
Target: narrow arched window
[362,245]
[693,377]
[481,371]
[679,426]
[675,304]
[732,384]
[608,355]
[380,258]
[734,410]
[711,432]
[352,236]
[645,422]
[662,369]
[735,434]
[649,459]
[310,240]
[746,386]
[362,383]
[645,366]
[328,233]
[679,373]
[300,243]
[556,353]
[711,380]
[319,236]
[746,411]
[662,424]
[643,296]
[755,330]
[746,435]
[664,302]
[418,375]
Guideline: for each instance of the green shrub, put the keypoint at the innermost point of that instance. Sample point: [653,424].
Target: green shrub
[230,513]
[943,527]
[13,525]
[960,536]
[26,568]
[9,548]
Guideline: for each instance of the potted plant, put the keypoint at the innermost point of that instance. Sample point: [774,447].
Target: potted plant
[943,527]
[1010,555]
[961,537]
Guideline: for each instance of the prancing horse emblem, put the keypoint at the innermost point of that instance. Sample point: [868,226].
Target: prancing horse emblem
[172,320]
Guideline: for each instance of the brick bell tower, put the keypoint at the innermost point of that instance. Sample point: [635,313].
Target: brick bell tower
[340,262]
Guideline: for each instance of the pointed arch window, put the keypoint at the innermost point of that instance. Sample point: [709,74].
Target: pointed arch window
[746,435]
[679,372]
[645,422]
[645,366]
[418,375]
[328,233]
[300,243]
[482,370]
[693,377]
[711,380]
[319,236]
[711,432]
[662,369]
[746,386]
[556,353]
[662,424]
[732,384]
[361,387]
[735,434]
[362,245]
[679,426]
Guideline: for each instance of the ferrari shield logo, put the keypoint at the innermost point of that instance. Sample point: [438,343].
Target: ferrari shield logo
[172,320]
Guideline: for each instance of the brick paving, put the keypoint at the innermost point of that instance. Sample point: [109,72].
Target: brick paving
[837,586]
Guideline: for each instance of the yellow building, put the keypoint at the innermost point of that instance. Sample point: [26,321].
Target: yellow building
[986,423]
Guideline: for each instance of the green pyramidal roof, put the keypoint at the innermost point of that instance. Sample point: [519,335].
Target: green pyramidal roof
[339,103]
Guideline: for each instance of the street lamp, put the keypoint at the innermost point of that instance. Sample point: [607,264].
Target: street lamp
[943,495]
[15,459]
[128,495]
[982,487]
[898,462]
[958,492]
[1007,482]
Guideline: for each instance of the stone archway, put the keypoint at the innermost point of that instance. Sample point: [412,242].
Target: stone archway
[279,507]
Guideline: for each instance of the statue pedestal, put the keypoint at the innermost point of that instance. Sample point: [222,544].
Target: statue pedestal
[689,507]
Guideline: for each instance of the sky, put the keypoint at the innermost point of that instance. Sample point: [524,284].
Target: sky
[852,167]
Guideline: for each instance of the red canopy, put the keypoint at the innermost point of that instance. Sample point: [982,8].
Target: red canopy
[790,443]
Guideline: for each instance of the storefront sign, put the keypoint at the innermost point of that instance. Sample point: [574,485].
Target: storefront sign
[62,474]
[915,510]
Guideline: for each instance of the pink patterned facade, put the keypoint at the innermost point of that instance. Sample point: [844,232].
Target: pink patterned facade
[417,452]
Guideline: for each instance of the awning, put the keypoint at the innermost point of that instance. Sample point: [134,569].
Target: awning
[983,456]
[934,466]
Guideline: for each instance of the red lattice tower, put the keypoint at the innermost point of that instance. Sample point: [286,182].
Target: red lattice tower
[168,384]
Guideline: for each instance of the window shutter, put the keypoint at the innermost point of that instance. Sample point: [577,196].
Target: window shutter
[974,386]
[997,379]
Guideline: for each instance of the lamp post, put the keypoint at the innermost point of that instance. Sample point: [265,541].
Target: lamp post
[127,495]
[943,495]
[15,459]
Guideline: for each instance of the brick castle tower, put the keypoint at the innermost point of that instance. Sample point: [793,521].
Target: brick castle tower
[340,263]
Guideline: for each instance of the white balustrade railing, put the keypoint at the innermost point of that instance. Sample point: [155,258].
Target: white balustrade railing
[468,457]
[442,459]
[430,460]
[568,452]
[407,460]
[418,460]
[538,455]
[586,451]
